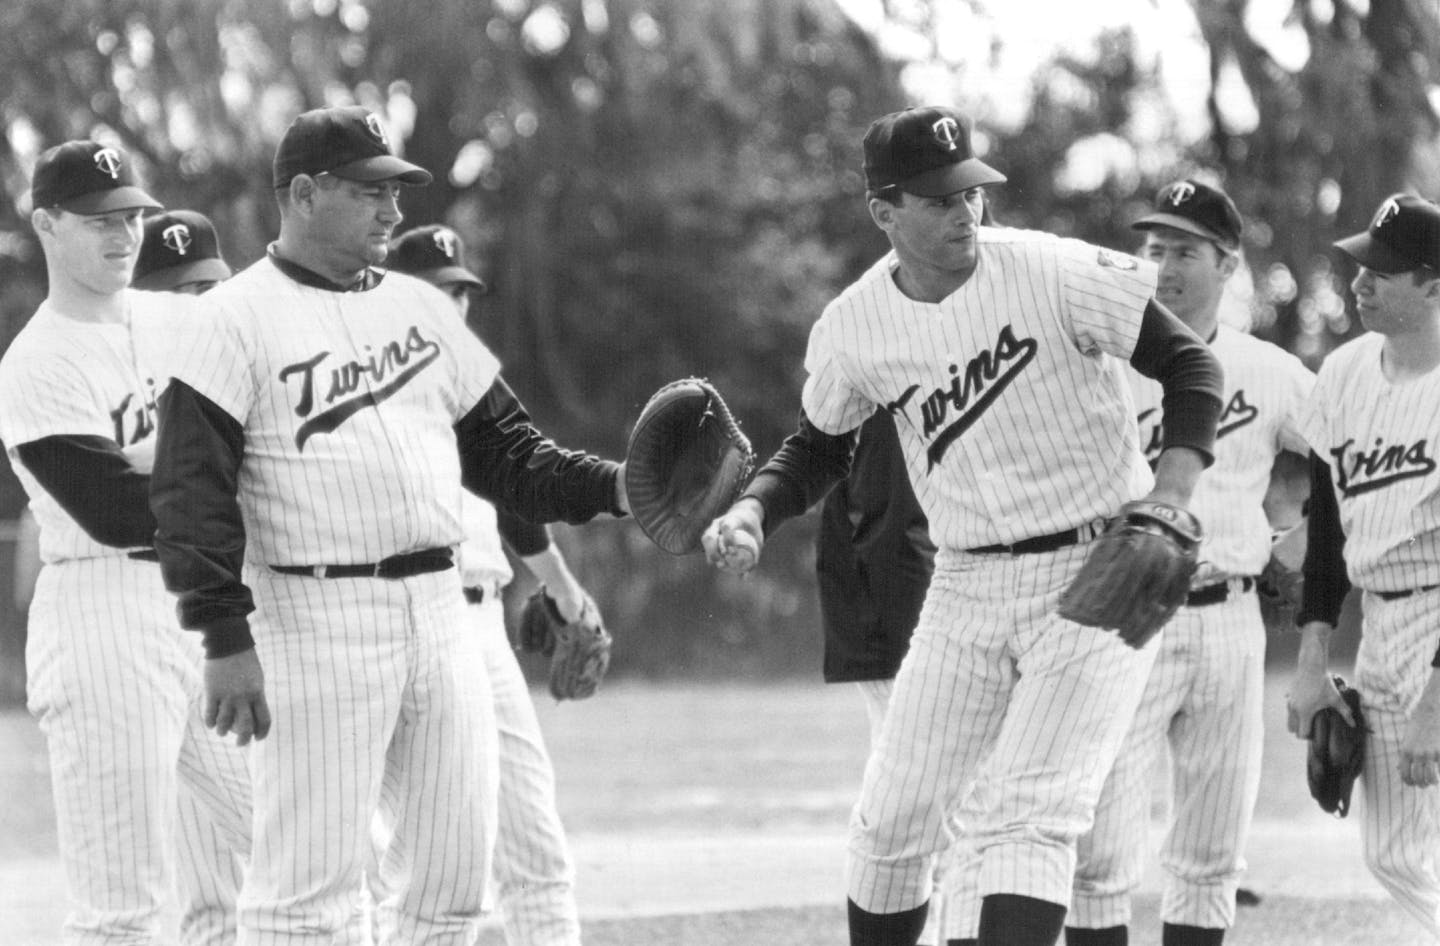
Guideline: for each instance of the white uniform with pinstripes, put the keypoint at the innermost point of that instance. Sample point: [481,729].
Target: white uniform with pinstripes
[347,402]
[113,680]
[1380,440]
[1016,422]
[534,872]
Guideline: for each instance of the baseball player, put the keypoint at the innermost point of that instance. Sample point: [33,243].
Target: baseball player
[113,680]
[1203,700]
[534,871]
[1372,425]
[307,493]
[1000,355]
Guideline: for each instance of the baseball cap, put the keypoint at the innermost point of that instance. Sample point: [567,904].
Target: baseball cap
[86,177]
[1403,235]
[346,141]
[925,152]
[434,253]
[180,246]
[1196,208]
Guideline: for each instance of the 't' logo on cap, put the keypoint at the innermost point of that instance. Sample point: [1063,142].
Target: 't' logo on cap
[177,238]
[947,132]
[445,243]
[108,161]
[1181,192]
[1388,211]
[376,129]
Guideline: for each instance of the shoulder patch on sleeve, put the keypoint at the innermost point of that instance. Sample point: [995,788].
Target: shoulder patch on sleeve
[1117,260]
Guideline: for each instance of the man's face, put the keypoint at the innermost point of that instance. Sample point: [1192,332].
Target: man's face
[934,233]
[459,293]
[1193,272]
[353,220]
[1396,303]
[97,251]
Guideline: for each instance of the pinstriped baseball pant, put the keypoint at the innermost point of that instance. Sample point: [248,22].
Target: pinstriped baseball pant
[994,684]
[115,685]
[370,682]
[1399,823]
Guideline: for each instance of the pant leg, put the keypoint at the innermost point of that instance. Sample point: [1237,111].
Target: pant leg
[1074,698]
[534,871]
[1400,824]
[1216,748]
[1110,857]
[208,875]
[444,758]
[110,677]
[337,656]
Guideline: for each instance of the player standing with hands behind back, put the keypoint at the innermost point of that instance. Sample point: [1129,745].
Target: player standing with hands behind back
[313,447]
[1373,424]
[1000,353]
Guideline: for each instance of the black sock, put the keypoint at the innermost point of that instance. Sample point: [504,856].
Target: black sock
[1109,936]
[886,929]
[1177,935]
[1008,919]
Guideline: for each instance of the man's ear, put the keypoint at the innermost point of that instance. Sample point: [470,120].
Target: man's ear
[882,212]
[302,191]
[41,220]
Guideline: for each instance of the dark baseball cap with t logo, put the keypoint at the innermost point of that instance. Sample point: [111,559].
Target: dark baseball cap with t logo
[179,247]
[925,152]
[346,141]
[1403,235]
[86,177]
[434,253]
[1196,208]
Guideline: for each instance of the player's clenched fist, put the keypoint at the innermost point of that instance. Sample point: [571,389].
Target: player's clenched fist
[235,697]
[733,541]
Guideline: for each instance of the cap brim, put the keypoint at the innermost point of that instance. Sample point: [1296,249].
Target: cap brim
[1183,224]
[952,178]
[383,167]
[1374,255]
[445,275]
[162,280]
[108,201]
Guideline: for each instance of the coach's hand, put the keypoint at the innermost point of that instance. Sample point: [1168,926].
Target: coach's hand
[235,697]
[733,542]
[1420,747]
[1313,688]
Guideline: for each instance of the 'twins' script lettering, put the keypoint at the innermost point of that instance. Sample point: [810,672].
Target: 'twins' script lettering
[984,378]
[1360,471]
[352,386]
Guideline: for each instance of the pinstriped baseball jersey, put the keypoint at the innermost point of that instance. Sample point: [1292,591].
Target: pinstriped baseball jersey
[1380,440]
[345,409]
[482,557]
[100,380]
[979,368]
[1265,390]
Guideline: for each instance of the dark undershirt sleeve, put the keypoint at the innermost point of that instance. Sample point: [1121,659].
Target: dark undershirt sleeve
[96,485]
[506,460]
[1194,385]
[1325,582]
[523,536]
[200,537]
[807,465]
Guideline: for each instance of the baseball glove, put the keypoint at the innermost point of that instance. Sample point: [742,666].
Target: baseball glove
[1336,753]
[579,652]
[1281,581]
[1138,573]
[685,464]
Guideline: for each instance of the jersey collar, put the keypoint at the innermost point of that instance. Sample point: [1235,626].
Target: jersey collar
[367,280]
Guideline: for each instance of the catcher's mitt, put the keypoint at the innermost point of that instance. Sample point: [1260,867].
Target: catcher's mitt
[579,652]
[1336,753]
[685,464]
[1138,573]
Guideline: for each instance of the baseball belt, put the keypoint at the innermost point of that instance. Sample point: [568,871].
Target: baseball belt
[1397,595]
[393,567]
[1045,543]
[1216,593]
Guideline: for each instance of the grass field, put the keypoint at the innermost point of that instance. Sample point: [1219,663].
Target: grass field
[714,815]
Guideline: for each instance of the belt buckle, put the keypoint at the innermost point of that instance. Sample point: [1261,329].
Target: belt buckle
[321,570]
[380,571]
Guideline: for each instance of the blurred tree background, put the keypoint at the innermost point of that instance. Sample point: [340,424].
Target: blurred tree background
[660,188]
